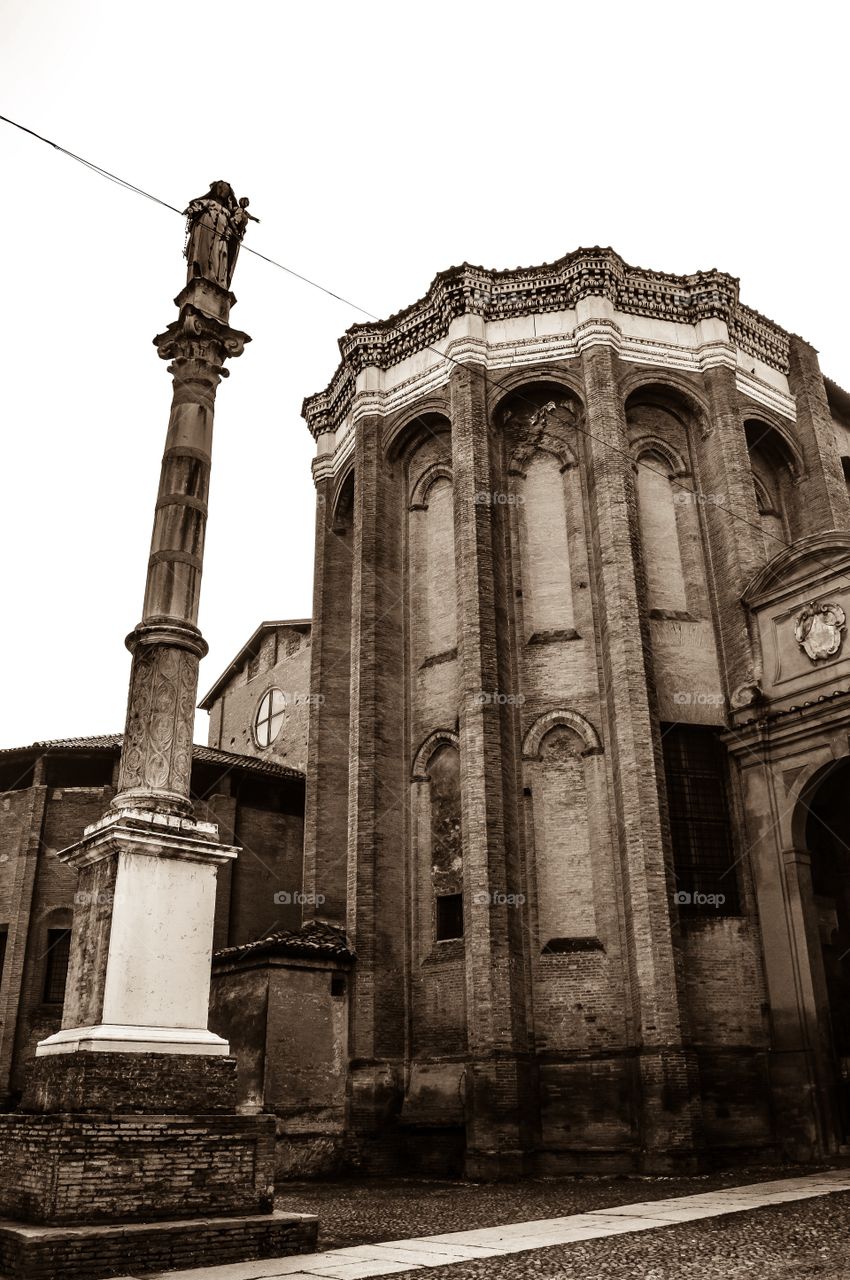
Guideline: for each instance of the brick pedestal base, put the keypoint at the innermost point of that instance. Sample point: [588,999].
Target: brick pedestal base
[121,1162]
[92,1253]
[66,1169]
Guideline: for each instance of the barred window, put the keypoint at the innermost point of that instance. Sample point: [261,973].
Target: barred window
[56,969]
[703,856]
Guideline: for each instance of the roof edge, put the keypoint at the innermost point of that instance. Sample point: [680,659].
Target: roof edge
[246,651]
[502,294]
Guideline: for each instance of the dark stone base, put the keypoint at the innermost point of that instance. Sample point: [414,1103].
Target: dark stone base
[156,1083]
[71,1169]
[91,1253]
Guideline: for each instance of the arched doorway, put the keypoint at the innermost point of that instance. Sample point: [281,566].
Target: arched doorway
[827,839]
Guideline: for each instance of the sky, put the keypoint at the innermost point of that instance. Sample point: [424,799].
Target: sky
[379,143]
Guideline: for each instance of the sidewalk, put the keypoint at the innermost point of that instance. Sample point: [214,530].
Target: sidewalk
[421,1253]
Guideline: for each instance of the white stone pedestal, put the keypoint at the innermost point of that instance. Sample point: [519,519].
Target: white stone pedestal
[141,946]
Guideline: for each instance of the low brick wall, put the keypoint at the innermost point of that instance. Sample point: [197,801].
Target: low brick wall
[70,1169]
[95,1252]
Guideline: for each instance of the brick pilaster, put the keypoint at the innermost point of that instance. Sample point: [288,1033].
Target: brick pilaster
[21,902]
[823,499]
[326,805]
[723,477]
[667,1085]
[377,775]
[497,1089]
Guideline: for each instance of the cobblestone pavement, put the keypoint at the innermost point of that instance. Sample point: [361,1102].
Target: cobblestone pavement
[362,1212]
[803,1240]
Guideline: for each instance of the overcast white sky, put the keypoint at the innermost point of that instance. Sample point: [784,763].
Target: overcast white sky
[379,143]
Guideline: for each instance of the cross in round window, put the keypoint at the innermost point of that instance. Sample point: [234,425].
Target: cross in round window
[270,716]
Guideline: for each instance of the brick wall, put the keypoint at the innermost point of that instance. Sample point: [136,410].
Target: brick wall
[282,662]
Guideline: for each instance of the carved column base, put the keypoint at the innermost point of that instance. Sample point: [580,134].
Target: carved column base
[139,974]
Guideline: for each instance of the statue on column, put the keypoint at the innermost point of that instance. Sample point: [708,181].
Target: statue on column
[216,224]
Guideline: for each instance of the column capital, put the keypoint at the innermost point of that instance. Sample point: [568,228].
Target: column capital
[200,339]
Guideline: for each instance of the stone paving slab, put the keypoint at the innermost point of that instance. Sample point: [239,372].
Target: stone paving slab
[393,1257]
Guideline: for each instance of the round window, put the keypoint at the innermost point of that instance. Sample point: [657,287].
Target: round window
[270,716]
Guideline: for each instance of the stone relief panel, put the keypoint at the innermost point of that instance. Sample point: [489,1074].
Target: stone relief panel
[160,720]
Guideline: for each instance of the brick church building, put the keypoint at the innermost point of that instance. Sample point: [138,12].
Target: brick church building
[574,713]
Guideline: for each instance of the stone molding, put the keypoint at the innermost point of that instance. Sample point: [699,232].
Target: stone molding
[646,445]
[425,483]
[439,738]
[553,719]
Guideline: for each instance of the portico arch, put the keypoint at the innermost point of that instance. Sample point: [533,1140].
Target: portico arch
[821,831]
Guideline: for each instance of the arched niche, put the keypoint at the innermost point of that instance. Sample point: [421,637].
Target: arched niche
[431,578]
[438,1015]
[776,468]
[565,788]
[661,421]
[342,518]
[540,426]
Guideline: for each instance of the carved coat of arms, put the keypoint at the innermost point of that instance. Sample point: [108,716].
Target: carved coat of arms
[818,629]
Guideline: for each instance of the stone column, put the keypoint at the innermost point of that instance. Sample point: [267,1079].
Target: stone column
[129,1113]
[498,1082]
[138,978]
[668,1085]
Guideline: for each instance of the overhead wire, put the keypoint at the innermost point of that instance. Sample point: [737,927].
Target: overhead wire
[244,248]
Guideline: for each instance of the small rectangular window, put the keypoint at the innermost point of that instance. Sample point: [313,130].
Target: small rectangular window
[56,969]
[4,934]
[449,916]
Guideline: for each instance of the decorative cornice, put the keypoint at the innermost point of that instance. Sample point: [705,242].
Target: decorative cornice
[558,286]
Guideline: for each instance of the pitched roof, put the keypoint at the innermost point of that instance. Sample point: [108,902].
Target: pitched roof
[314,938]
[205,755]
[248,650]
